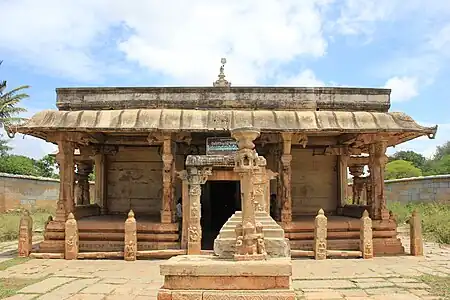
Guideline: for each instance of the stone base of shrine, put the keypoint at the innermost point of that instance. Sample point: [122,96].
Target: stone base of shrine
[209,277]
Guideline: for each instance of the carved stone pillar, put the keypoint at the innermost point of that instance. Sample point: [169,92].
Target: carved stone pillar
[196,177]
[358,183]
[342,180]
[249,238]
[377,162]
[82,194]
[286,173]
[25,235]
[415,233]
[100,181]
[260,185]
[130,238]
[167,211]
[185,208]
[270,175]
[366,236]
[71,238]
[320,236]
[65,160]
[368,184]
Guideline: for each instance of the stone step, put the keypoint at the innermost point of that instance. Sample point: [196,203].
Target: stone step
[230,233]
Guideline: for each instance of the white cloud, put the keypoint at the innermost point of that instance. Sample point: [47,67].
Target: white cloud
[183,40]
[305,78]
[403,88]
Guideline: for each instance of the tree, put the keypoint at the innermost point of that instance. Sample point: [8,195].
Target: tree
[4,148]
[19,165]
[442,151]
[47,166]
[401,169]
[440,166]
[418,160]
[9,101]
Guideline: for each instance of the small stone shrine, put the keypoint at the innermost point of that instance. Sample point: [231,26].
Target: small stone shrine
[250,271]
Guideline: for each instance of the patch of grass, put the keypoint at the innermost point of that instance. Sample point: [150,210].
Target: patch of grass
[435,218]
[9,223]
[440,286]
[12,262]
[10,286]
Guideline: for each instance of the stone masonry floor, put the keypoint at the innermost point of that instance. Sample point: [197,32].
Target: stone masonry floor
[387,278]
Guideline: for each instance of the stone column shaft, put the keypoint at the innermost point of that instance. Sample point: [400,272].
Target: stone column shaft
[377,162]
[342,179]
[65,159]
[100,182]
[286,174]
[167,212]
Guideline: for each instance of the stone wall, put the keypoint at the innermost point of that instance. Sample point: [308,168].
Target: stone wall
[28,191]
[418,189]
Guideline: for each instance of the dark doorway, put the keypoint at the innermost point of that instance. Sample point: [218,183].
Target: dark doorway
[221,199]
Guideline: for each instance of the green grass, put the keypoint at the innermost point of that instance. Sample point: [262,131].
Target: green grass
[440,286]
[10,286]
[435,218]
[9,223]
[12,262]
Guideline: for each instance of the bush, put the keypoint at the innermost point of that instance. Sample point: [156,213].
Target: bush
[435,218]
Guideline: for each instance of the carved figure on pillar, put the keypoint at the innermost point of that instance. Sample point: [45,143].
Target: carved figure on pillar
[65,159]
[196,177]
[286,173]
[320,236]
[167,212]
[130,237]
[377,162]
[82,193]
[25,234]
[72,239]
[249,236]
[366,236]
[358,183]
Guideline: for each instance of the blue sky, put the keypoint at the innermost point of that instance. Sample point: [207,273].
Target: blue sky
[401,45]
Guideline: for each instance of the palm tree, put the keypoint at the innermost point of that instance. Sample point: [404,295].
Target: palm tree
[8,103]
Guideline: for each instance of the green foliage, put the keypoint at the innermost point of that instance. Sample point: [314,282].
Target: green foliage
[9,101]
[442,151]
[9,223]
[47,166]
[435,218]
[401,169]
[418,160]
[438,167]
[19,165]
[4,148]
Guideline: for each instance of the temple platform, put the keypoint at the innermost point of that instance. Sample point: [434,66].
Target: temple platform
[106,233]
[209,277]
[343,233]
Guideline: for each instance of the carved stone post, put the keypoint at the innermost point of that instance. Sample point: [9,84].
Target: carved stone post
[366,237]
[100,181]
[82,186]
[196,178]
[377,162]
[249,238]
[130,238]
[320,236]
[342,179]
[260,185]
[25,235]
[65,159]
[286,172]
[358,183]
[183,175]
[167,211]
[72,241]
[415,232]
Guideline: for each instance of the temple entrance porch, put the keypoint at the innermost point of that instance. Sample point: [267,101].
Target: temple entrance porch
[220,200]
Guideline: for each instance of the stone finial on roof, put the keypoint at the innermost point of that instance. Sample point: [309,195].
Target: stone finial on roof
[222,82]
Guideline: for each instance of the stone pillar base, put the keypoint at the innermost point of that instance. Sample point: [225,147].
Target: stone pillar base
[166,217]
[208,277]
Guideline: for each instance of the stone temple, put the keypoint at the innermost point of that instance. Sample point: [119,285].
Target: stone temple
[260,172]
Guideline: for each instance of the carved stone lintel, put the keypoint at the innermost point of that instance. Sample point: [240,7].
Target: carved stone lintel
[71,238]
[320,236]
[416,245]
[366,237]
[130,247]
[25,235]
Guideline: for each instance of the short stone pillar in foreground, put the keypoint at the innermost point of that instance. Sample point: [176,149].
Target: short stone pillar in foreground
[366,236]
[25,235]
[416,234]
[130,248]
[72,239]
[320,236]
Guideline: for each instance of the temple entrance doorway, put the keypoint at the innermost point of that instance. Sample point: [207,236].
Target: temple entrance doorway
[221,199]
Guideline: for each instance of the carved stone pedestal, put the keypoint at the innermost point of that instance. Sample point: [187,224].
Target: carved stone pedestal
[275,243]
[210,278]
